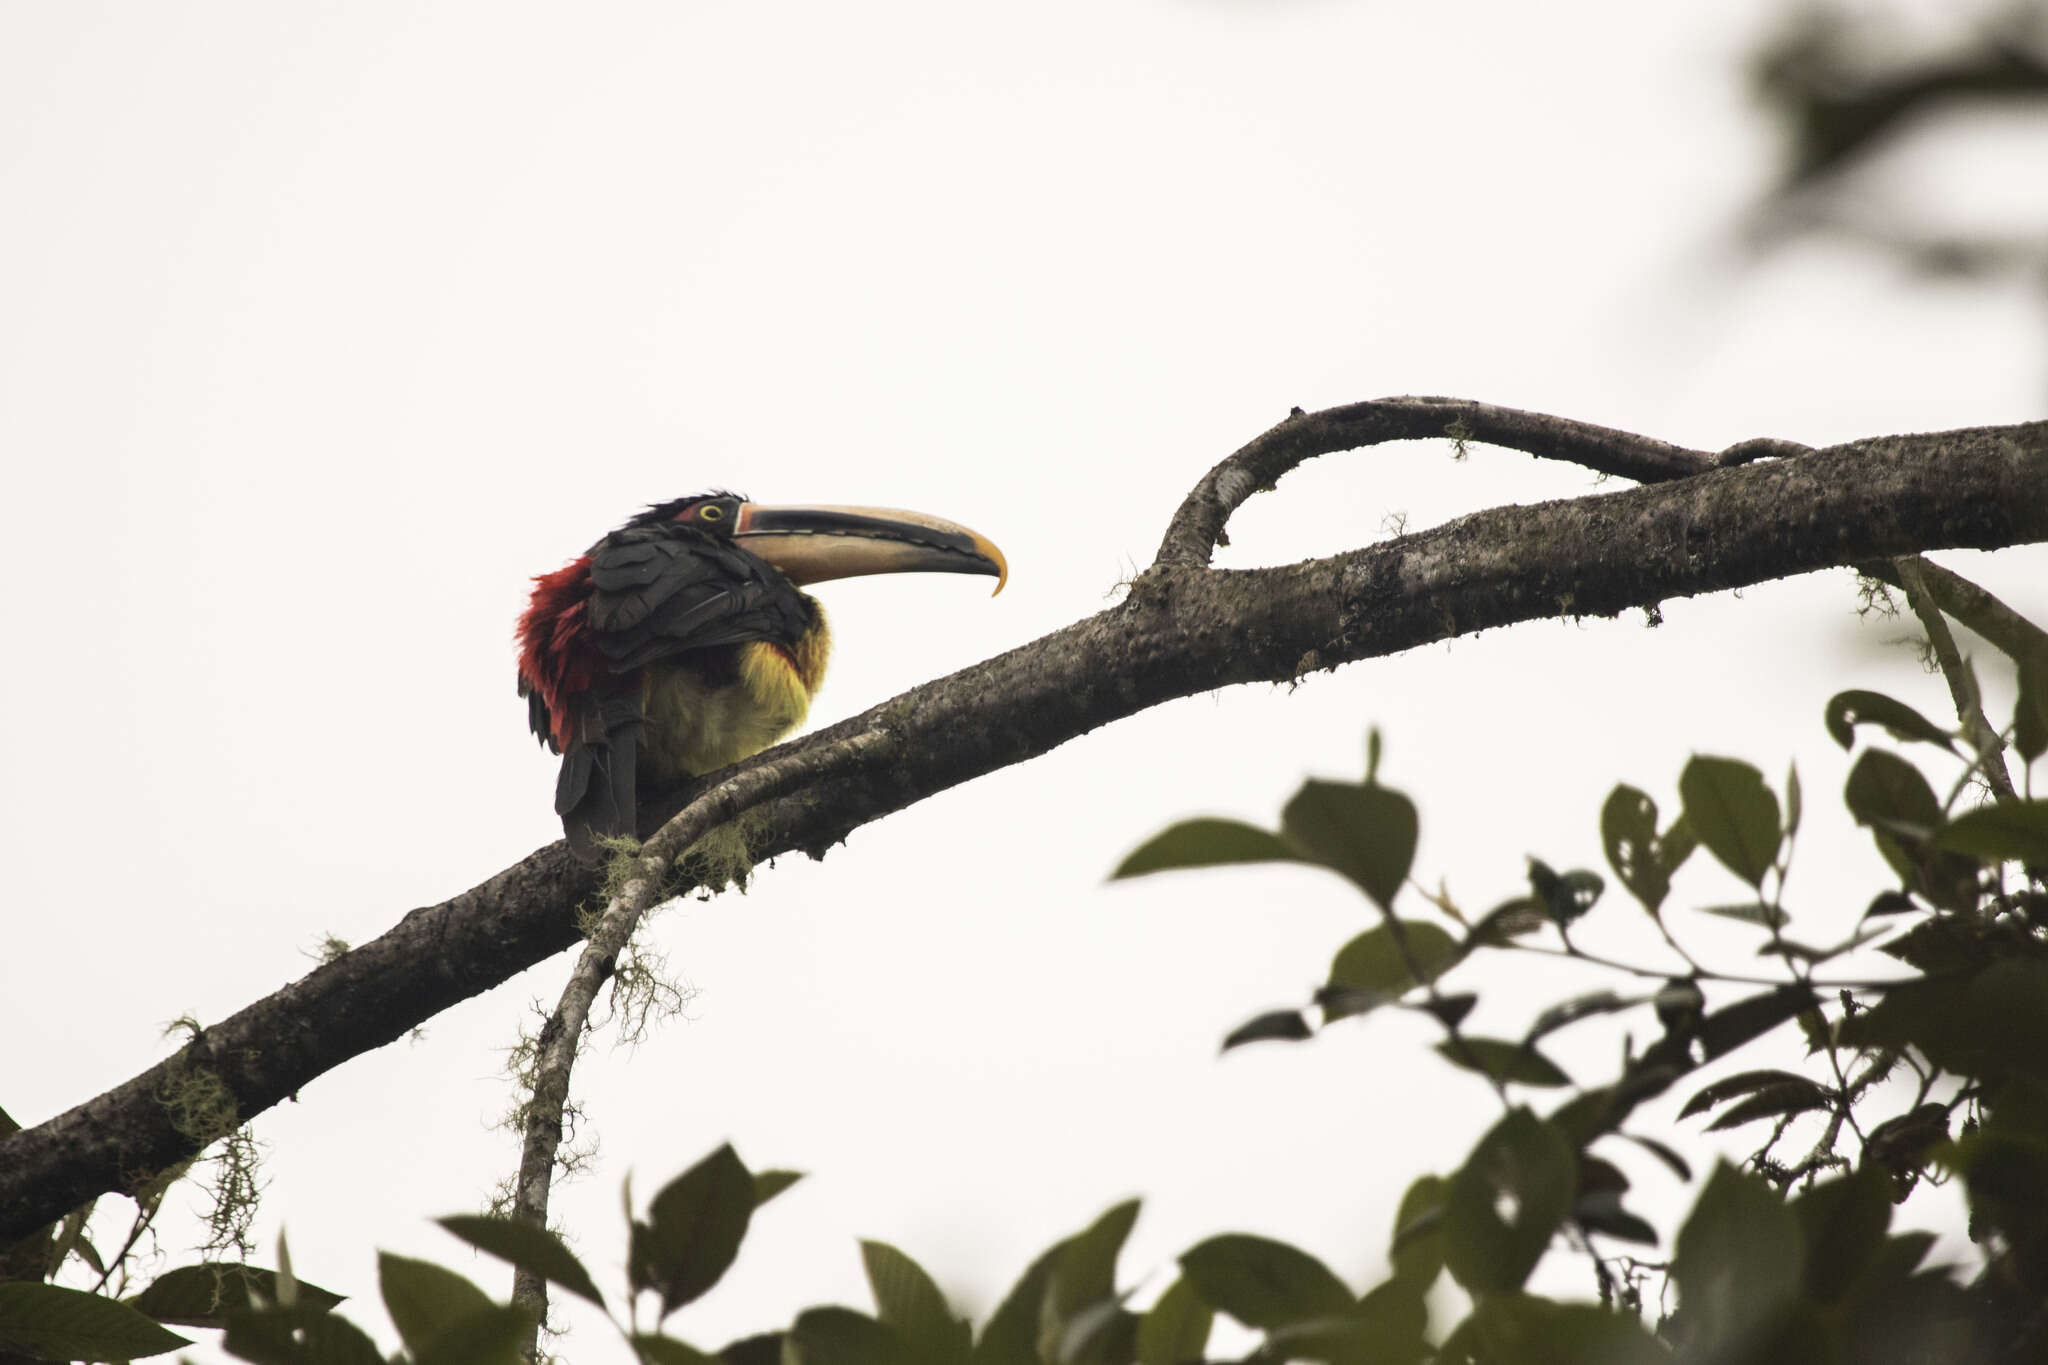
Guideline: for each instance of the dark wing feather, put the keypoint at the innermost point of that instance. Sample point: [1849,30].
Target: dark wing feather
[659,593]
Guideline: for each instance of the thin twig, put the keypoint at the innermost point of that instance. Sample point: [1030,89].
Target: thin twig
[647,887]
[1982,736]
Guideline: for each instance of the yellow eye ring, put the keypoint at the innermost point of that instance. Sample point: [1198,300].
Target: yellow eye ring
[711,513]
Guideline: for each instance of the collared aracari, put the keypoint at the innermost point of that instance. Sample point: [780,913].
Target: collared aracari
[682,642]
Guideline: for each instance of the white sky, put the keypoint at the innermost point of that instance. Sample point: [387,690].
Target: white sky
[322,327]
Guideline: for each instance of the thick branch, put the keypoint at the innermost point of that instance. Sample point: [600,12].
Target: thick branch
[1182,630]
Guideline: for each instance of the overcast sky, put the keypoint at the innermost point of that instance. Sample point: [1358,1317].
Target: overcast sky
[323,327]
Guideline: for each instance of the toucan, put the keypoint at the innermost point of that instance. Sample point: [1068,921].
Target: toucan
[683,641]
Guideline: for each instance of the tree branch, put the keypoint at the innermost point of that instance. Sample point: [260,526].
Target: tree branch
[1183,629]
[647,886]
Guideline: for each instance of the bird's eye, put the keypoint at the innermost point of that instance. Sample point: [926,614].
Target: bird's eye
[712,513]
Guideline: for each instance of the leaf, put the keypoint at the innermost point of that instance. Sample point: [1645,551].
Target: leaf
[1525,1330]
[1753,912]
[1373,961]
[1734,814]
[1175,1329]
[1677,1164]
[1262,1283]
[1417,1250]
[1450,1010]
[1847,710]
[490,1337]
[1205,843]
[203,1295]
[1505,1202]
[1084,1272]
[654,1349]
[298,1336]
[1844,1223]
[768,1184]
[1504,1061]
[1770,1103]
[1643,860]
[1011,1334]
[1365,832]
[1733,1025]
[1277,1026]
[1743,1083]
[69,1324]
[425,1299]
[1348,1002]
[1888,793]
[1577,1008]
[528,1247]
[907,1300]
[1793,802]
[1602,1212]
[1890,903]
[1739,1258]
[840,1336]
[694,1229]
[2030,712]
[2004,831]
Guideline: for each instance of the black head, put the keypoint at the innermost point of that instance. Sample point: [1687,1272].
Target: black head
[715,513]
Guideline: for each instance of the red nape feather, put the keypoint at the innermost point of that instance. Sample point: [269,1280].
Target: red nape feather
[555,658]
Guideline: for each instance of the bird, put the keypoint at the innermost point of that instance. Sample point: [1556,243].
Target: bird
[683,641]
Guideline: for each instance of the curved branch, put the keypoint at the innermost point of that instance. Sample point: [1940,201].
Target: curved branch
[1197,528]
[1182,630]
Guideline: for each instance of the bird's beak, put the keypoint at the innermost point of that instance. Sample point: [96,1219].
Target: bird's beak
[813,544]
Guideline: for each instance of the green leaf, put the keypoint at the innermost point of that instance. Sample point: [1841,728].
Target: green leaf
[1526,1330]
[840,1336]
[1263,1283]
[69,1324]
[1175,1330]
[1843,1222]
[425,1300]
[1847,710]
[762,1349]
[2006,830]
[1278,1026]
[203,1295]
[768,1184]
[655,1349]
[1676,1163]
[1507,1200]
[1205,843]
[694,1229]
[1888,793]
[528,1247]
[1577,1008]
[1993,1023]
[1601,1212]
[1639,856]
[2030,713]
[1793,801]
[1373,961]
[1751,1017]
[1734,814]
[1504,1061]
[298,1336]
[1085,1271]
[1417,1249]
[1744,1083]
[907,1300]
[1011,1335]
[1771,1103]
[1752,912]
[1367,833]
[490,1337]
[1740,1258]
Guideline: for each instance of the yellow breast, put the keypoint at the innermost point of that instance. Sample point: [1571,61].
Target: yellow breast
[697,722]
